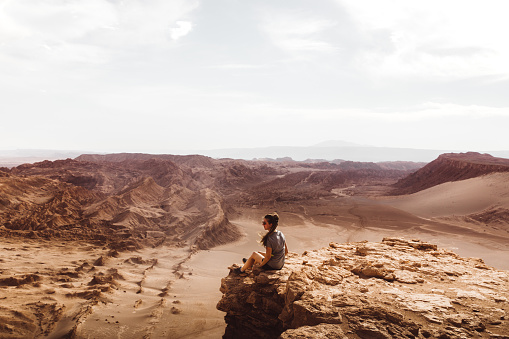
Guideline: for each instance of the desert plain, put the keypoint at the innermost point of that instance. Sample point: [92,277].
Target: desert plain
[136,245]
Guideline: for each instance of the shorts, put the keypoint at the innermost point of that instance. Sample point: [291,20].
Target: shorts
[269,268]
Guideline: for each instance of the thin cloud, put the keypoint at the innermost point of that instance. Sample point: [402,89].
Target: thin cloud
[295,31]
[444,40]
[93,30]
[240,66]
[182,29]
[429,111]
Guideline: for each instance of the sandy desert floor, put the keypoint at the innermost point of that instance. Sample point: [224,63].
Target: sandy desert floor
[165,292]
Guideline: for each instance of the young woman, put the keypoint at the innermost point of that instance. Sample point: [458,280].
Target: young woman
[275,248]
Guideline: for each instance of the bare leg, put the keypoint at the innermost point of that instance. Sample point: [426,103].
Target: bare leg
[256,257]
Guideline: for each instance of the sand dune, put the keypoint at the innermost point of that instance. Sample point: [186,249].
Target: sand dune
[457,198]
[451,167]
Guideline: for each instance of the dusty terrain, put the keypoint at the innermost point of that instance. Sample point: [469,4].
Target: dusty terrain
[145,240]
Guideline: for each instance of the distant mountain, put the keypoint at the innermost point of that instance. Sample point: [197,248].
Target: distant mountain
[13,158]
[401,165]
[338,143]
[352,153]
[37,153]
[334,151]
[450,167]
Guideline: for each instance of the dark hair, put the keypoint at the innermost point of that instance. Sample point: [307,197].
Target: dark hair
[273,220]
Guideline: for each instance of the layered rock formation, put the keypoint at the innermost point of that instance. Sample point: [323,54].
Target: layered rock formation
[125,205]
[393,289]
[450,167]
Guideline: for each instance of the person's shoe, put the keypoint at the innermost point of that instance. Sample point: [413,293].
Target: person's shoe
[244,260]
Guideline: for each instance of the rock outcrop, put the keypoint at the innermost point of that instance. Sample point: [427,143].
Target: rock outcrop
[393,289]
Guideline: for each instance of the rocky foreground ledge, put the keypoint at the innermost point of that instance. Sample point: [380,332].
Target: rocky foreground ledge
[393,289]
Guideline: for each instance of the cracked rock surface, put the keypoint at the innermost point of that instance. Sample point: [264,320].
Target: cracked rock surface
[393,289]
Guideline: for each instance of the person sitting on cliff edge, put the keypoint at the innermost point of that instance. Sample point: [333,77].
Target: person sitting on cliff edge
[275,248]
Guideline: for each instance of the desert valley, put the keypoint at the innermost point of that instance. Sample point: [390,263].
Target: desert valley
[139,246]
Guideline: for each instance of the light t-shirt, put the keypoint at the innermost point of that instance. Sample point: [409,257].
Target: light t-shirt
[277,241]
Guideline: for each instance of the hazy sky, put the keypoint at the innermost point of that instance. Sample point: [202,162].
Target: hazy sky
[156,75]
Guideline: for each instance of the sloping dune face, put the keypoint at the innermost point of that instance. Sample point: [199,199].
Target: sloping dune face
[450,167]
[463,197]
[467,189]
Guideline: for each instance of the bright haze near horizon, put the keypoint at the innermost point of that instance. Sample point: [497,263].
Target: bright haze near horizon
[156,76]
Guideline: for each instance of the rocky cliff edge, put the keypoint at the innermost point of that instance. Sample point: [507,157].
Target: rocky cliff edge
[394,289]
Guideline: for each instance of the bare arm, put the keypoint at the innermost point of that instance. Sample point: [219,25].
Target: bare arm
[268,255]
[286,250]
